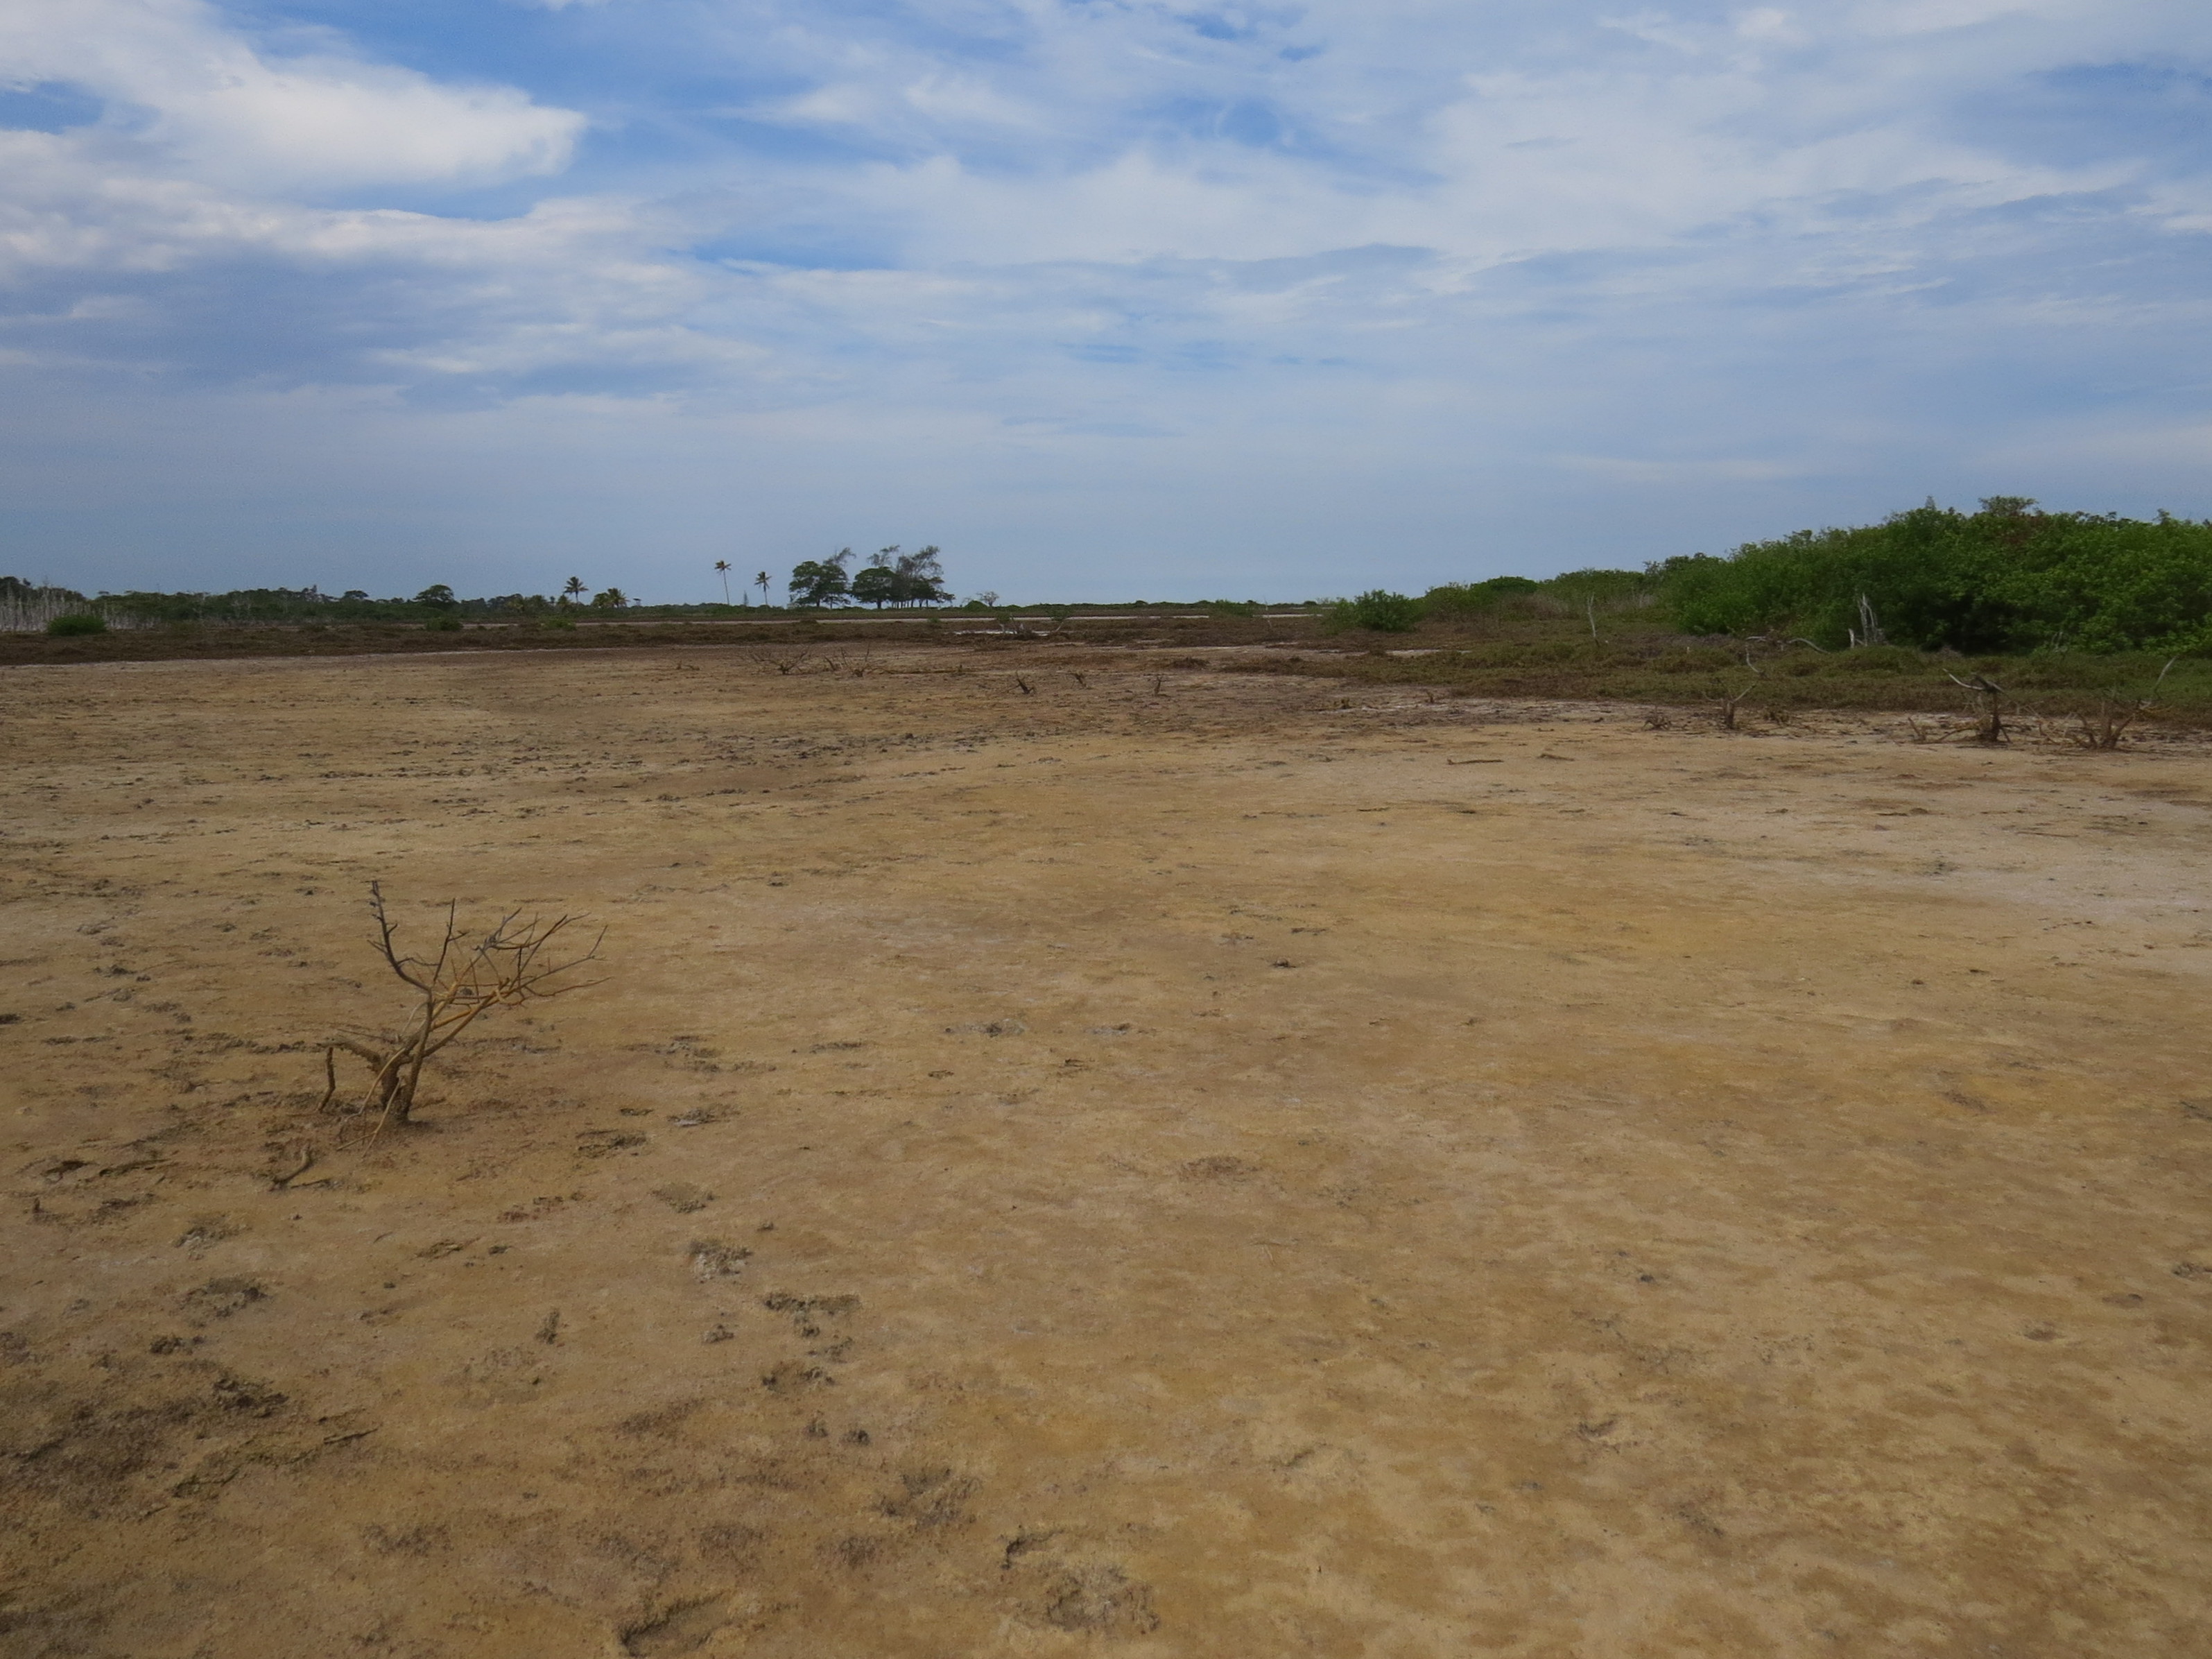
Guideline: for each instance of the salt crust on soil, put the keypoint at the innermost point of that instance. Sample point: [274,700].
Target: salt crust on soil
[1192,1171]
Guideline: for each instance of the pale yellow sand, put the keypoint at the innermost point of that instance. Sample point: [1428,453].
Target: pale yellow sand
[1220,1178]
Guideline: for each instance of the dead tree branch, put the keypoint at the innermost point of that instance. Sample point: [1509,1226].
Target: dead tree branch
[1729,700]
[1992,730]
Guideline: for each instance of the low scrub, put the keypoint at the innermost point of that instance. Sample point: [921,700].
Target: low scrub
[1658,668]
[1379,611]
[2006,579]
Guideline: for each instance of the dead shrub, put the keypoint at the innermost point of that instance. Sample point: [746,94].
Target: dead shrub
[468,975]
[1990,730]
[2112,719]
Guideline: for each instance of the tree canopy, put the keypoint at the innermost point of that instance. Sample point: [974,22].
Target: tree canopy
[816,583]
[891,577]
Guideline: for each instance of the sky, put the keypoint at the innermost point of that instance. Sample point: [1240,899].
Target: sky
[1108,298]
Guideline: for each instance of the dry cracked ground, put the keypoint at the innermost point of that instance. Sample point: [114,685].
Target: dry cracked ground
[1160,1163]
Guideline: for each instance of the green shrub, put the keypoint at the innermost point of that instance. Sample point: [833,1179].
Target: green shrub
[70,627]
[2005,579]
[1471,599]
[443,625]
[568,622]
[1609,590]
[1377,611]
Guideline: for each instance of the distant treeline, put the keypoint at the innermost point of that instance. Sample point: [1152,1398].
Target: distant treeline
[25,605]
[2006,579]
[263,604]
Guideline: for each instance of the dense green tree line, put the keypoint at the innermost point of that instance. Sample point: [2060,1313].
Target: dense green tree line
[2005,579]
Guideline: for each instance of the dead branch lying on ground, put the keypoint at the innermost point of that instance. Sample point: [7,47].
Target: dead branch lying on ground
[467,976]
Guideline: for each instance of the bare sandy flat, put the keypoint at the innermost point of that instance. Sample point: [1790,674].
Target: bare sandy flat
[1189,1172]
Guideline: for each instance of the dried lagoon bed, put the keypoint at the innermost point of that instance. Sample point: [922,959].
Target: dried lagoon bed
[1160,1160]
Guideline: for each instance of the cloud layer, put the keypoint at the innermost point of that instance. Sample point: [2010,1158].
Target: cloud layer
[1104,297]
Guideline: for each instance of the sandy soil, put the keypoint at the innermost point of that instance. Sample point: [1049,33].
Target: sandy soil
[1087,1170]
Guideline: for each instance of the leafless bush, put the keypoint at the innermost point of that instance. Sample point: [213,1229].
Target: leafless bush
[1991,728]
[2113,718]
[469,975]
[1729,700]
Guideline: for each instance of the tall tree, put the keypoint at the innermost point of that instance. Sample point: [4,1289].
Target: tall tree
[761,582]
[722,569]
[572,590]
[919,580]
[820,583]
[879,581]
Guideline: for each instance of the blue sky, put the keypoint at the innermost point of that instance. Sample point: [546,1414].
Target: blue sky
[1107,298]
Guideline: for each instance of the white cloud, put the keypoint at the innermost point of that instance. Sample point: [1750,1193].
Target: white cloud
[203,99]
[1010,247]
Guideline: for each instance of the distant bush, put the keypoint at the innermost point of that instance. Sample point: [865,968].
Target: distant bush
[568,622]
[1471,599]
[1377,611]
[81,622]
[2005,579]
[1576,592]
[1611,590]
[443,625]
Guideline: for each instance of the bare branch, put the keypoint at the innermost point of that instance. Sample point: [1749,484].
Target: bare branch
[1992,729]
[467,978]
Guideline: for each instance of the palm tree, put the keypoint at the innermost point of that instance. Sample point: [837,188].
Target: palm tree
[722,569]
[761,582]
[574,590]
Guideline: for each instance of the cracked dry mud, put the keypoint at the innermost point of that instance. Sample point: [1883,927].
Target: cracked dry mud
[1085,1171]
